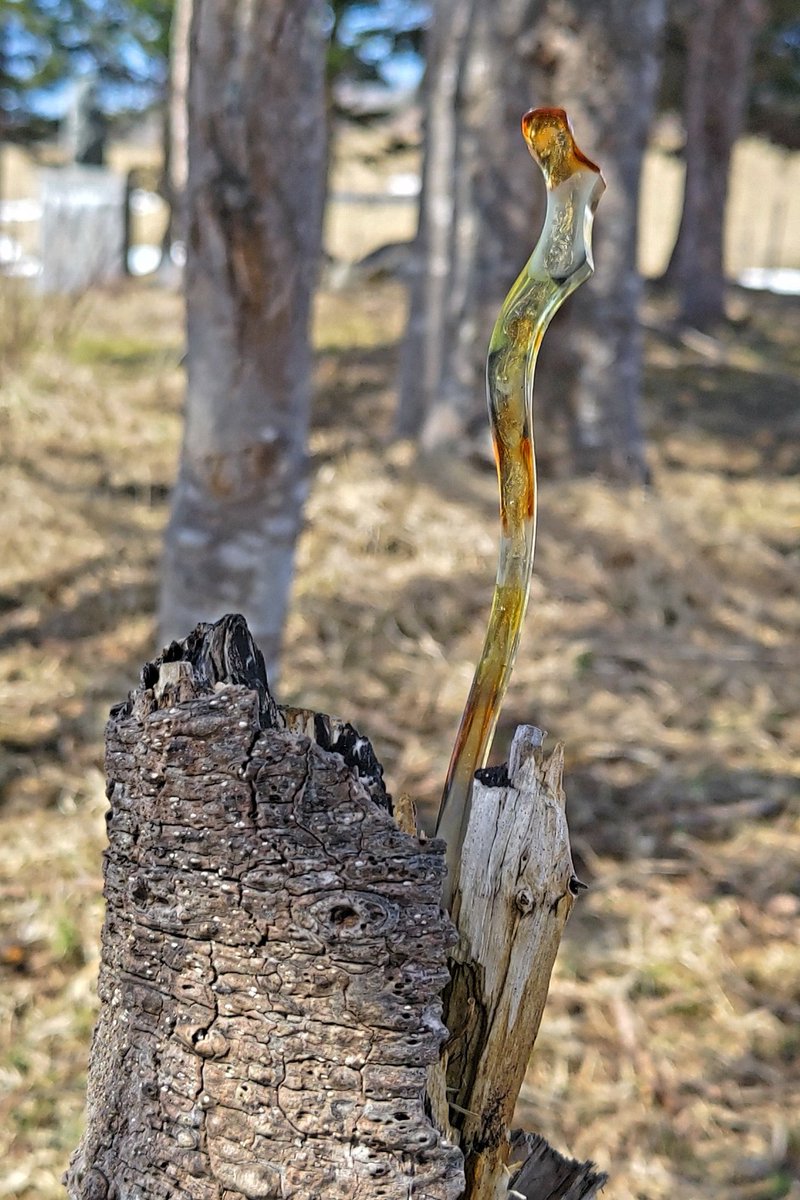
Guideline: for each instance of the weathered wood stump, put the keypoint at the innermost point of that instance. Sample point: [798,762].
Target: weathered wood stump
[275,955]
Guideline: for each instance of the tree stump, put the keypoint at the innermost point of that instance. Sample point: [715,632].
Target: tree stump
[274,958]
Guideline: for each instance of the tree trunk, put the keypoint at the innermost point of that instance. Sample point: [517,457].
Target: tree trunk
[720,38]
[480,208]
[274,952]
[176,165]
[256,158]
[601,61]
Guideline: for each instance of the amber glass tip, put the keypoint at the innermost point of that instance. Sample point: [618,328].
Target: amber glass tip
[549,136]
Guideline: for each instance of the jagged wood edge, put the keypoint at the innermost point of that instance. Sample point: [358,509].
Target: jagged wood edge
[224,652]
[538,1172]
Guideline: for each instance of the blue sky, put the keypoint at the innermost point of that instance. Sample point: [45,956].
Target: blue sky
[370,25]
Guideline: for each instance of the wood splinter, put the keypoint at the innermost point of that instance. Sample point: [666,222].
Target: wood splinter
[517,888]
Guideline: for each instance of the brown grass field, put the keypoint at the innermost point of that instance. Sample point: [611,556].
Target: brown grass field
[661,646]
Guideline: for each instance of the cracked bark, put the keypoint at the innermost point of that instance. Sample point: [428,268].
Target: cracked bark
[274,960]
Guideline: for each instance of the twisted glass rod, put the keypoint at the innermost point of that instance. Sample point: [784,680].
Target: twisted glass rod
[561,261]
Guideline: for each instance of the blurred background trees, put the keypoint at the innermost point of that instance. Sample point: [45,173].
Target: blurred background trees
[45,45]
[718,40]
[254,241]
[176,118]
[254,219]
[481,205]
[773,106]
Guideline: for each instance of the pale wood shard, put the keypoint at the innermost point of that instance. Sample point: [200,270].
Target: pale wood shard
[274,953]
[517,887]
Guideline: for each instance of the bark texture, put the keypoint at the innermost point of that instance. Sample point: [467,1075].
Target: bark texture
[273,955]
[720,36]
[481,209]
[254,205]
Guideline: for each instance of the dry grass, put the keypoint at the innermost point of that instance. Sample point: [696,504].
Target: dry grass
[662,645]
